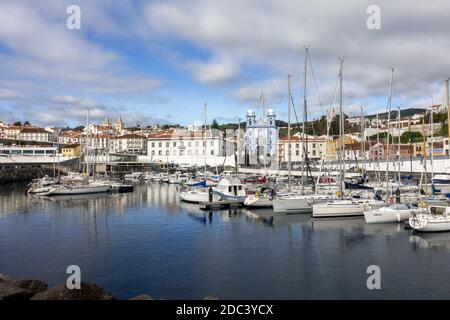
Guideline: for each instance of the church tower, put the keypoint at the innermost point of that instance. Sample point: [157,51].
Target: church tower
[119,125]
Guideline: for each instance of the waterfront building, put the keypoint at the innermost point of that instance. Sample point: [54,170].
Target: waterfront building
[35,134]
[315,146]
[190,148]
[130,143]
[13,150]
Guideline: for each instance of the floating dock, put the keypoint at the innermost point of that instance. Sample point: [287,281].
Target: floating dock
[216,205]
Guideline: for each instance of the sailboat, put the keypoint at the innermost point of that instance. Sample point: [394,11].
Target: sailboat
[343,207]
[84,186]
[436,219]
[398,212]
[297,202]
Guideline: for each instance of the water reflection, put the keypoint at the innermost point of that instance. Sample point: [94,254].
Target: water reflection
[434,241]
[150,242]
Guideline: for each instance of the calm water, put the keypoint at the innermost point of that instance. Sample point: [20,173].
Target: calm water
[149,242]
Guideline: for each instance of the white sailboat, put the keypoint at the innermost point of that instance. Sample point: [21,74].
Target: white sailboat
[437,219]
[394,213]
[344,207]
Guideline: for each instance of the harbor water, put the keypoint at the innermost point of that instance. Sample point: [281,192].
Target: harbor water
[147,242]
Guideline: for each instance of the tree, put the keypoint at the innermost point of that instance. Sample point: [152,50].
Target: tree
[17,123]
[415,137]
[215,124]
[27,123]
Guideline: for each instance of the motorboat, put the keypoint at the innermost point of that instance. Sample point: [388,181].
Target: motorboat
[178,178]
[230,189]
[197,196]
[392,213]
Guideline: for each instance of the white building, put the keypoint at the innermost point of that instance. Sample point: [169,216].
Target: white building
[35,134]
[72,137]
[261,137]
[130,143]
[316,147]
[190,148]
[12,132]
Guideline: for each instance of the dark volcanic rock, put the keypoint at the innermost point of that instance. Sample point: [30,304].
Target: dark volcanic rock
[88,291]
[210,298]
[10,292]
[5,278]
[33,286]
[142,297]
[13,289]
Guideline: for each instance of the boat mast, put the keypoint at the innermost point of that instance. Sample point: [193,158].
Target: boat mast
[391,78]
[305,115]
[432,145]
[398,151]
[410,147]
[204,136]
[289,133]
[447,104]
[378,151]
[363,144]
[341,128]
[87,145]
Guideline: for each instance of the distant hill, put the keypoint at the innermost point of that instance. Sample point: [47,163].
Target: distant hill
[403,113]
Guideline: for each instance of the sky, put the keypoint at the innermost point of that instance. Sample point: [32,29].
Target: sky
[161,61]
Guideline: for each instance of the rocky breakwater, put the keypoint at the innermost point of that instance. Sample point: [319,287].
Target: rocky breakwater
[24,289]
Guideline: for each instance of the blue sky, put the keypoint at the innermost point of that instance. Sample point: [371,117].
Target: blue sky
[160,61]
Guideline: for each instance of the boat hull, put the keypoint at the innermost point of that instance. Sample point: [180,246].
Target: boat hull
[425,223]
[78,190]
[386,216]
[284,205]
[327,210]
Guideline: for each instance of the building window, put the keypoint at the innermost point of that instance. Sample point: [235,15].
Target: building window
[167,152]
[174,143]
[189,144]
[196,144]
[153,152]
[212,152]
[160,152]
[167,144]
[160,144]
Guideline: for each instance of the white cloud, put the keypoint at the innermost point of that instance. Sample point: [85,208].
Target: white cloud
[270,35]
[217,71]
[41,48]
